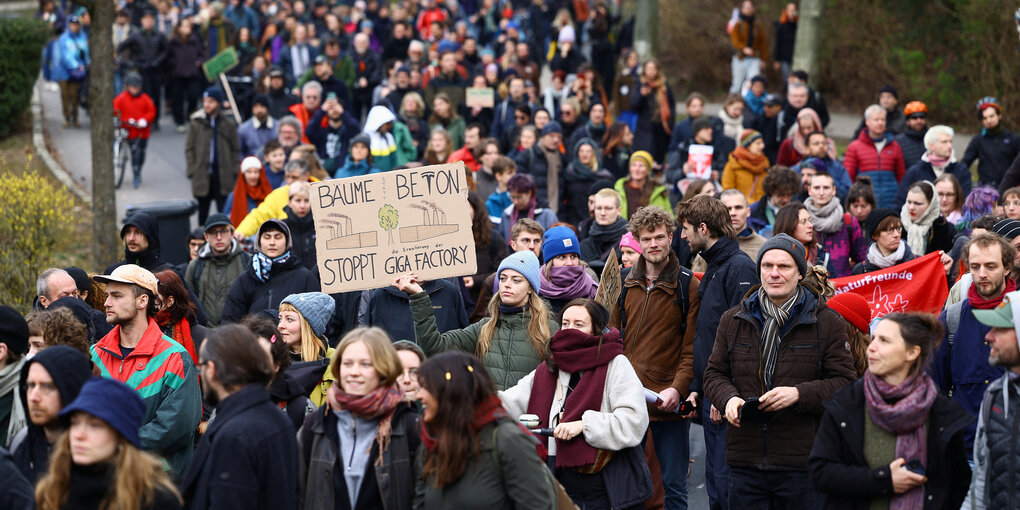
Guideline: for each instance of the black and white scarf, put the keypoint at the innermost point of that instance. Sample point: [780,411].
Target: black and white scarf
[775,319]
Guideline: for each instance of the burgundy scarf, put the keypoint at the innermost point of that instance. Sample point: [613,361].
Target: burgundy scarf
[567,282]
[905,418]
[980,303]
[574,351]
[380,403]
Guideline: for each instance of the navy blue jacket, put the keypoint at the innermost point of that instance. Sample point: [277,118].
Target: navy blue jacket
[247,459]
[533,162]
[728,277]
[924,172]
[912,146]
[390,309]
[963,367]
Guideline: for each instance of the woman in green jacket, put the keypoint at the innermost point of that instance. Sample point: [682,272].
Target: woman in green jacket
[512,341]
[639,189]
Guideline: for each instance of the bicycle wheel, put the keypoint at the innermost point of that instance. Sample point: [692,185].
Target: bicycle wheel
[121,160]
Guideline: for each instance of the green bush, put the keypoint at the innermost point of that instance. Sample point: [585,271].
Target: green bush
[21,44]
[35,227]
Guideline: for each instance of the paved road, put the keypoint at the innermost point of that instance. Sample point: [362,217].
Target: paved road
[163,176]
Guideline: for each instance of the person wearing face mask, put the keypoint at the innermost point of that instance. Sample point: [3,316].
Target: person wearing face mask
[512,340]
[358,449]
[892,416]
[564,276]
[137,112]
[937,160]
[287,388]
[273,274]
[588,390]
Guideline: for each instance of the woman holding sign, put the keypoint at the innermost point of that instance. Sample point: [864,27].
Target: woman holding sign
[512,341]
[589,394]
[890,440]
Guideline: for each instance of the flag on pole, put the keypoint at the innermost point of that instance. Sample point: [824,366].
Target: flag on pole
[915,286]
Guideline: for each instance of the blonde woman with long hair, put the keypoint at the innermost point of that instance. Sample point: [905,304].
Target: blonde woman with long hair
[512,341]
[303,319]
[98,462]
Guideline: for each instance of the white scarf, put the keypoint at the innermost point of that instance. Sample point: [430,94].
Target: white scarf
[826,219]
[9,378]
[917,232]
[732,126]
[883,261]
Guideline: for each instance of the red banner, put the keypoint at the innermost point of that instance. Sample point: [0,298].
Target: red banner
[915,286]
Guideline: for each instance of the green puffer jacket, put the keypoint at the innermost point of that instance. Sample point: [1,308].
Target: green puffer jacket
[510,356]
[659,197]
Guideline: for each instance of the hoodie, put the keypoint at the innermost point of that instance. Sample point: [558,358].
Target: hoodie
[383,146]
[94,320]
[69,368]
[148,258]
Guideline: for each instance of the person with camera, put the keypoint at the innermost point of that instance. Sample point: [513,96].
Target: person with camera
[891,439]
[779,354]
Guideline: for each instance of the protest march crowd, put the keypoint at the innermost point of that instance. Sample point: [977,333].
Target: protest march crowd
[740,260]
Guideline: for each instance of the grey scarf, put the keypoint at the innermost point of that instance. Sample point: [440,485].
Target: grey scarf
[827,219]
[775,319]
[9,377]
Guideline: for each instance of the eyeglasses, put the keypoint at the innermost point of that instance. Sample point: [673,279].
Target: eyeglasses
[950,194]
[891,228]
[218,232]
[1012,203]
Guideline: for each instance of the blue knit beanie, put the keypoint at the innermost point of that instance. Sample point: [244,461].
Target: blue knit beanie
[524,262]
[557,241]
[316,307]
[113,402]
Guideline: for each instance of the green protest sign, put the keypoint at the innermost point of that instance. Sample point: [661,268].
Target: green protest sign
[219,64]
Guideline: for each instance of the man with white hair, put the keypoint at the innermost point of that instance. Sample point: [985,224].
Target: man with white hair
[877,154]
[938,159]
[53,284]
[311,101]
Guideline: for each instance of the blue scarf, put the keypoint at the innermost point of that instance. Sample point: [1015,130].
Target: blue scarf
[263,265]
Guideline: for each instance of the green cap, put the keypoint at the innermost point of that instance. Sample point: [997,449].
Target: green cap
[999,317]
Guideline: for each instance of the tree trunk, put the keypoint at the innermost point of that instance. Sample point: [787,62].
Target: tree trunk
[106,241]
[646,29]
[809,39]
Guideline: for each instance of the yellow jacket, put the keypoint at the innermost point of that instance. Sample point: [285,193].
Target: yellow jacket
[270,208]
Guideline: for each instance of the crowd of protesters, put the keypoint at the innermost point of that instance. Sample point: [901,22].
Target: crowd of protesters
[231,381]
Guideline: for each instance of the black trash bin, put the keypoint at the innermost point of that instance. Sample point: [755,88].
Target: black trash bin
[174,217]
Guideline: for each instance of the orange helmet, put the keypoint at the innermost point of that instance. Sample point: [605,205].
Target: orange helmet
[915,107]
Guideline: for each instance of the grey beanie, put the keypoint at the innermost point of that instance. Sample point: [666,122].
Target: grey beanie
[789,245]
[316,307]
[524,262]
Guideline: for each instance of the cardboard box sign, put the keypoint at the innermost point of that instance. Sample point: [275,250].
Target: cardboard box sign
[480,96]
[371,229]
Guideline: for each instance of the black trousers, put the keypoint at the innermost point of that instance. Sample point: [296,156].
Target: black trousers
[752,489]
[214,195]
[184,95]
[152,84]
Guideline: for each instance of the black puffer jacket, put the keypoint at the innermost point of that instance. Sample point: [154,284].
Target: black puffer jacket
[995,154]
[249,295]
[302,231]
[145,48]
[839,470]
[912,146]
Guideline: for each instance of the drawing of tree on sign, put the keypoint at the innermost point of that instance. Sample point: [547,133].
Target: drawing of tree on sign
[388,220]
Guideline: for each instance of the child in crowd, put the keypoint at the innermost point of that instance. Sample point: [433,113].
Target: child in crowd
[502,169]
[275,158]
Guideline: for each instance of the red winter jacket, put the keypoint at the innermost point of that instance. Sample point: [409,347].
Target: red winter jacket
[137,108]
[464,154]
[861,156]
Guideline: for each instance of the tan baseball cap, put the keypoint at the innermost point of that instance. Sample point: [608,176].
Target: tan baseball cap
[131,274]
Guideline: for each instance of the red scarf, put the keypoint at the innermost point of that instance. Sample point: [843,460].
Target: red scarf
[574,351]
[181,333]
[242,191]
[380,403]
[980,303]
[487,411]
[756,163]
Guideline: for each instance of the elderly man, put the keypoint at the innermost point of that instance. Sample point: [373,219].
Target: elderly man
[289,134]
[311,100]
[877,155]
[784,352]
[937,160]
[53,284]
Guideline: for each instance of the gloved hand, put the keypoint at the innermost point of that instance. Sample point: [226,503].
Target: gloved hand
[142,123]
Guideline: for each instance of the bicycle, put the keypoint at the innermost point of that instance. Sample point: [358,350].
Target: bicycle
[121,150]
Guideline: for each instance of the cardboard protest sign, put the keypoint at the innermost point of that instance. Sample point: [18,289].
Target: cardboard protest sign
[701,157]
[610,286]
[915,286]
[373,228]
[479,96]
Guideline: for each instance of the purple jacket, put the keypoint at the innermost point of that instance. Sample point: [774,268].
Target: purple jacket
[843,245]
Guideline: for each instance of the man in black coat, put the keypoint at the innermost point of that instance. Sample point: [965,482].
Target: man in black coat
[140,234]
[247,458]
[730,274]
[147,49]
[994,149]
[911,140]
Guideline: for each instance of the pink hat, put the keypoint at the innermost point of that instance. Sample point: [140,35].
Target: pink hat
[629,241]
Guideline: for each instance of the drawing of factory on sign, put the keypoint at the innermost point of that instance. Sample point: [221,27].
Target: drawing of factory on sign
[343,236]
[433,224]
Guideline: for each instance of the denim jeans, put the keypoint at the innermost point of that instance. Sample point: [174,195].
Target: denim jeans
[752,489]
[672,447]
[743,69]
[717,472]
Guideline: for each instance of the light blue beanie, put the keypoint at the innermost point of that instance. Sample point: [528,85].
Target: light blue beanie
[316,307]
[524,262]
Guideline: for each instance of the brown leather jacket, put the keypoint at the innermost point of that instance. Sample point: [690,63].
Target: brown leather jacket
[651,331]
[814,357]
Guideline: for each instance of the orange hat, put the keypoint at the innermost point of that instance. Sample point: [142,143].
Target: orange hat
[915,107]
